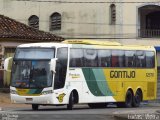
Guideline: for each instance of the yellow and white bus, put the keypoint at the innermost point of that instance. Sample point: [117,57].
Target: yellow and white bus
[83,71]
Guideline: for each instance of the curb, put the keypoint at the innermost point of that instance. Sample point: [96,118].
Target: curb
[158,111]
[120,117]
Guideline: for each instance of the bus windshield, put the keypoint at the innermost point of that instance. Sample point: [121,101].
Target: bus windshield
[34,53]
[32,70]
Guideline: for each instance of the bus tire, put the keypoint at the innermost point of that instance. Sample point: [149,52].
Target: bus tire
[35,106]
[129,99]
[71,102]
[137,98]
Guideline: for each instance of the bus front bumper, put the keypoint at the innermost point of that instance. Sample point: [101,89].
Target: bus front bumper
[42,99]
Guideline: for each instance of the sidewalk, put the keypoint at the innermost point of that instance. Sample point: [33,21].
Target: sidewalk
[145,114]
[141,114]
[5,102]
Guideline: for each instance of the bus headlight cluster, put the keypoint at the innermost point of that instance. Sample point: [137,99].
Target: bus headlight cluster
[13,92]
[47,92]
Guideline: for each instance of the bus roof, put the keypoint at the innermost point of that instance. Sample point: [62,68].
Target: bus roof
[47,44]
[82,43]
[104,44]
[92,42]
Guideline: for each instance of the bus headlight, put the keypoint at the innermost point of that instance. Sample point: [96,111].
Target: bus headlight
[47,92]
[13,92]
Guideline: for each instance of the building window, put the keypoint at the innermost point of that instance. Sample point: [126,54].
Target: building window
[33,21]
[112,14]
[55,21]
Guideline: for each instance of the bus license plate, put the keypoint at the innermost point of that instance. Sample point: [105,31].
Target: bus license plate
[29,99]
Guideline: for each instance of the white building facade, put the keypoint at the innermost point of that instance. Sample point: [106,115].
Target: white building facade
[125,21]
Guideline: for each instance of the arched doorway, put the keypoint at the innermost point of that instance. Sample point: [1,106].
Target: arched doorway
[149,21]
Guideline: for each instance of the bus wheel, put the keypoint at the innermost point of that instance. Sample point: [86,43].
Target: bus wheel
[35,107]
[71,102]
[128,99]
[137,98]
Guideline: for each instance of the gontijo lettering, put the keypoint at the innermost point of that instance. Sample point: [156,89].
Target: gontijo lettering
[122,74]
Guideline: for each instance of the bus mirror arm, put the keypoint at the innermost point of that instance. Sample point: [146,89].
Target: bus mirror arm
[53,72]
[53,65]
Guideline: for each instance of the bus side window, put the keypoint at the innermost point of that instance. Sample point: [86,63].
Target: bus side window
[61,68]
[150,59]
[76,58]
[90,57]
[104,58]
[141,59]
[117,58]
[130,58]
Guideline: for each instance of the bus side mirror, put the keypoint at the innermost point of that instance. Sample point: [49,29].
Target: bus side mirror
[53,65]
[8,63]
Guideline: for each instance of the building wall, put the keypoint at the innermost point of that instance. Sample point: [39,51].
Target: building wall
[78,19]
[84,20]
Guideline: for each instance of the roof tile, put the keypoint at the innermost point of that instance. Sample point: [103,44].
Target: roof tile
[10,28]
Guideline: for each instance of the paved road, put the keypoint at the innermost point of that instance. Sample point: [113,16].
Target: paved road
[80,112]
